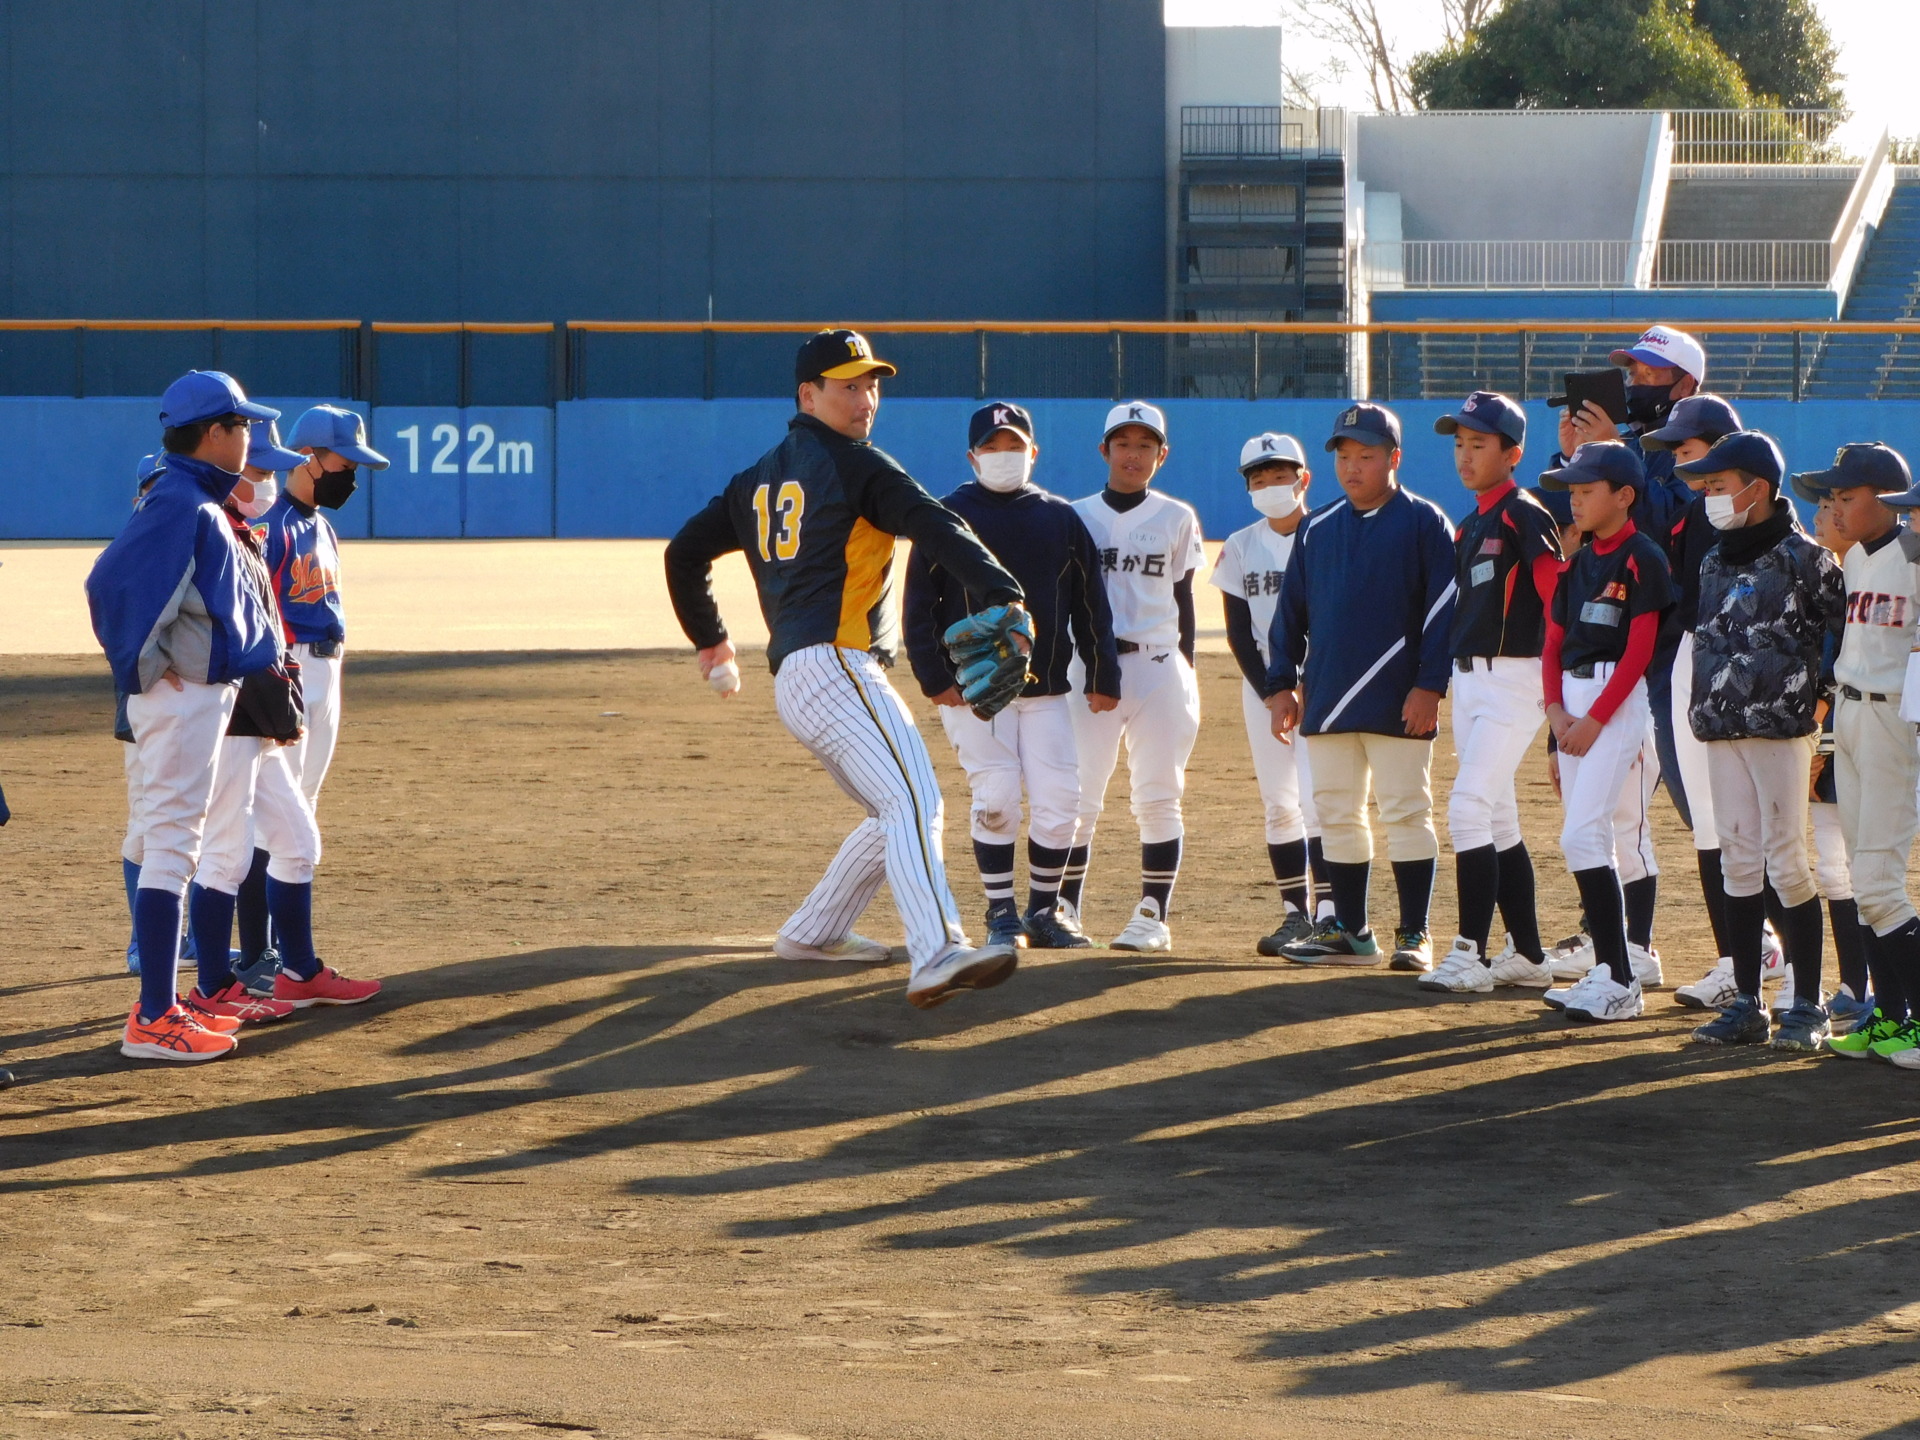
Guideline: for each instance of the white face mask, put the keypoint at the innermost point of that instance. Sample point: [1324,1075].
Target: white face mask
[265,492]
[1722,515]
[1003,471]
[1276,502]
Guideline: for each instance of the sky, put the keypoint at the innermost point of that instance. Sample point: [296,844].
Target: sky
[1877,38]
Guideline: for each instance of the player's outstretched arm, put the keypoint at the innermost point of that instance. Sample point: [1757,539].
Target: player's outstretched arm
[923,616]
[689,561]
[891,500]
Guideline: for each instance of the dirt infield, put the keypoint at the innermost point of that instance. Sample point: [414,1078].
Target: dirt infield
[597,1163]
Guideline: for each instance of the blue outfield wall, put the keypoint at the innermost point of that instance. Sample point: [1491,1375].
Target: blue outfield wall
[637,468]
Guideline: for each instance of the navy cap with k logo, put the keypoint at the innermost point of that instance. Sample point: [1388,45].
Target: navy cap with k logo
[999,415]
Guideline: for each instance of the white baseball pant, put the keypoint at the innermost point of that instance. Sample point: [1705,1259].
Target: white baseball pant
[1633,816]
[1695,778]
[1159,719]
[1497,712]
[838,703]
[1831,868]
[177,734]
[1283,773]
[1875,771]
[1591,785]
[256,801]
[1760,809]
[1398,770]
[1027,745]
[311,755]
[133,847]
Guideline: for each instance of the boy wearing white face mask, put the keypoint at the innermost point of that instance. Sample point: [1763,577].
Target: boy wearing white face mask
[1248,574]
[1028,746]
[1770,599]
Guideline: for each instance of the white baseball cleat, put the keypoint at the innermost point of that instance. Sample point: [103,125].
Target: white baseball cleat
[1714,990]
[1146,932]
[849,948]
[1459,971]
[1571,958]
[957,969]
[1646,966]
[1601,997]
[1557,997]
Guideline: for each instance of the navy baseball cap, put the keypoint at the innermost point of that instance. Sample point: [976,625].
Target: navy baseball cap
[1747,450]
[1558,503]
[328,427]
[1369,424]
[837,355]
[1488,412]
[265,452]
[1000,415]
[151,467]
[1604,460]
[207,395]
[1880,466]
[1692,418]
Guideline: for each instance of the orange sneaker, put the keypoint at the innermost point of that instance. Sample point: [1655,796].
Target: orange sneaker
[208,1019]
[329,987]
[176,1035]
[232,1002]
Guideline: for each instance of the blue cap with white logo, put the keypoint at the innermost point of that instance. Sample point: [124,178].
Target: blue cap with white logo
[328,427]
[1698,417]
[207,395]
[265,452]
[1369,424]
[1488,412]
[1746,450]
[1607,461]
[150,468]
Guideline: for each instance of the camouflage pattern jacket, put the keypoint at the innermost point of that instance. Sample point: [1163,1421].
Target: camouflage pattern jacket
[1769,599]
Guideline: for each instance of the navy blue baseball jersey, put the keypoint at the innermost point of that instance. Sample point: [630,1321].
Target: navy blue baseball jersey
[1498,610]
[1601,593]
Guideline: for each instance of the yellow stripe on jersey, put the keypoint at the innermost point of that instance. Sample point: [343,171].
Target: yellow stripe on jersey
[869,558]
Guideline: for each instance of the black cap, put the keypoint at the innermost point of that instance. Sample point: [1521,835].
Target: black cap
[1750,451]
[1608,461]
[837,355]
[1369,424]
[1488,412]
[999,415]
[1880,466]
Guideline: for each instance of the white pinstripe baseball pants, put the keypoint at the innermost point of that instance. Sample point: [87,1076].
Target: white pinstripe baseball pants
[839,704]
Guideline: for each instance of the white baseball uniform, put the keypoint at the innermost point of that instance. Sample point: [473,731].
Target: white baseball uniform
[177,735]
[1030,742]
[1143,553]
[1250,568]
[256,800]
[309,757]
[1606,789]
[1692,752]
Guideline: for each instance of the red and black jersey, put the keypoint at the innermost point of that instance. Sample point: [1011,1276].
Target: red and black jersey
[1604,588]
[1499,611]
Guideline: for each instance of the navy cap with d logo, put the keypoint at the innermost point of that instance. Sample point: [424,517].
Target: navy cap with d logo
[1880,466]
[1369,424]
[838,355]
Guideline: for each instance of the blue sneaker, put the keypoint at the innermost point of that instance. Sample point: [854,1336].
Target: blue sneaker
[1846,1014]
[257,978]
[1803,1028]
[1744,1022]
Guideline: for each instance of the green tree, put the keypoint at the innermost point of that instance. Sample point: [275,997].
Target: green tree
[1783,47]
[1582,54]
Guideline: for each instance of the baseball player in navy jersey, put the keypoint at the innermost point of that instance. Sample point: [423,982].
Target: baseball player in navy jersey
[1367,605]
[1600,638]
[1042,542]
[816,517]
[1507,566]
[1249,573]
[1149,547]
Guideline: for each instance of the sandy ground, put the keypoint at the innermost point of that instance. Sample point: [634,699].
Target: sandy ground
[596,1163]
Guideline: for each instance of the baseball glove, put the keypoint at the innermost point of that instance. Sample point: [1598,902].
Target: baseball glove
[989,653]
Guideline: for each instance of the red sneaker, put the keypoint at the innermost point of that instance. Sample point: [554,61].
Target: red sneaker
[232,1002]
[329,987]
[209,1018]
[174,1036]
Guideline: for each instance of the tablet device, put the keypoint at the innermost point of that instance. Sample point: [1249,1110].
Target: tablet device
[1606,388]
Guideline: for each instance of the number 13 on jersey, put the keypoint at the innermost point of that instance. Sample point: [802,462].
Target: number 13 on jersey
[790,504]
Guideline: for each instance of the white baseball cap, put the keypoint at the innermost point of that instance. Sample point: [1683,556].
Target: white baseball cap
[1136,412]
[1269,447]
[1664,345]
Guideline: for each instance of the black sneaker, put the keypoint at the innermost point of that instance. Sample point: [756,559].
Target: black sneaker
[1744,1022]
[1295,927]
[1331,943]
[1003,925]
[1047,931]
[1412,952]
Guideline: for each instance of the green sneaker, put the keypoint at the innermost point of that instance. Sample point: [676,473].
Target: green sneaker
[1907,1037]
[1856,1043]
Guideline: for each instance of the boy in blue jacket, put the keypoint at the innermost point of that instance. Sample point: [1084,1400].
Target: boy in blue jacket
[180,627]
[1372,584]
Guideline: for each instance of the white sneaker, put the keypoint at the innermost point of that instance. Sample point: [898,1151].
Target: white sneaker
[1145,932]
[1510,967]
[849,948]
[1068,914]
[1601,997]
[1459,971]
[1557,997]
[1646,966]
[1571,958]
[958,968]
[1714,990]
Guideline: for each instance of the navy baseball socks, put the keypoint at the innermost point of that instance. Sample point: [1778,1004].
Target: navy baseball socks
[1605,907]
[995,860]
[210,917]
[1412,945]
[1322,884]
[130,873]
[1046,867]
[291,908]
[1713,894]
[156,926]
[1519,908]
[1476,876]
[1159,869]
[1073,878]
[1293,875]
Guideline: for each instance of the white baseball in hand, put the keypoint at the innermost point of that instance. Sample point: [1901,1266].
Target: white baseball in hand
[724,678]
